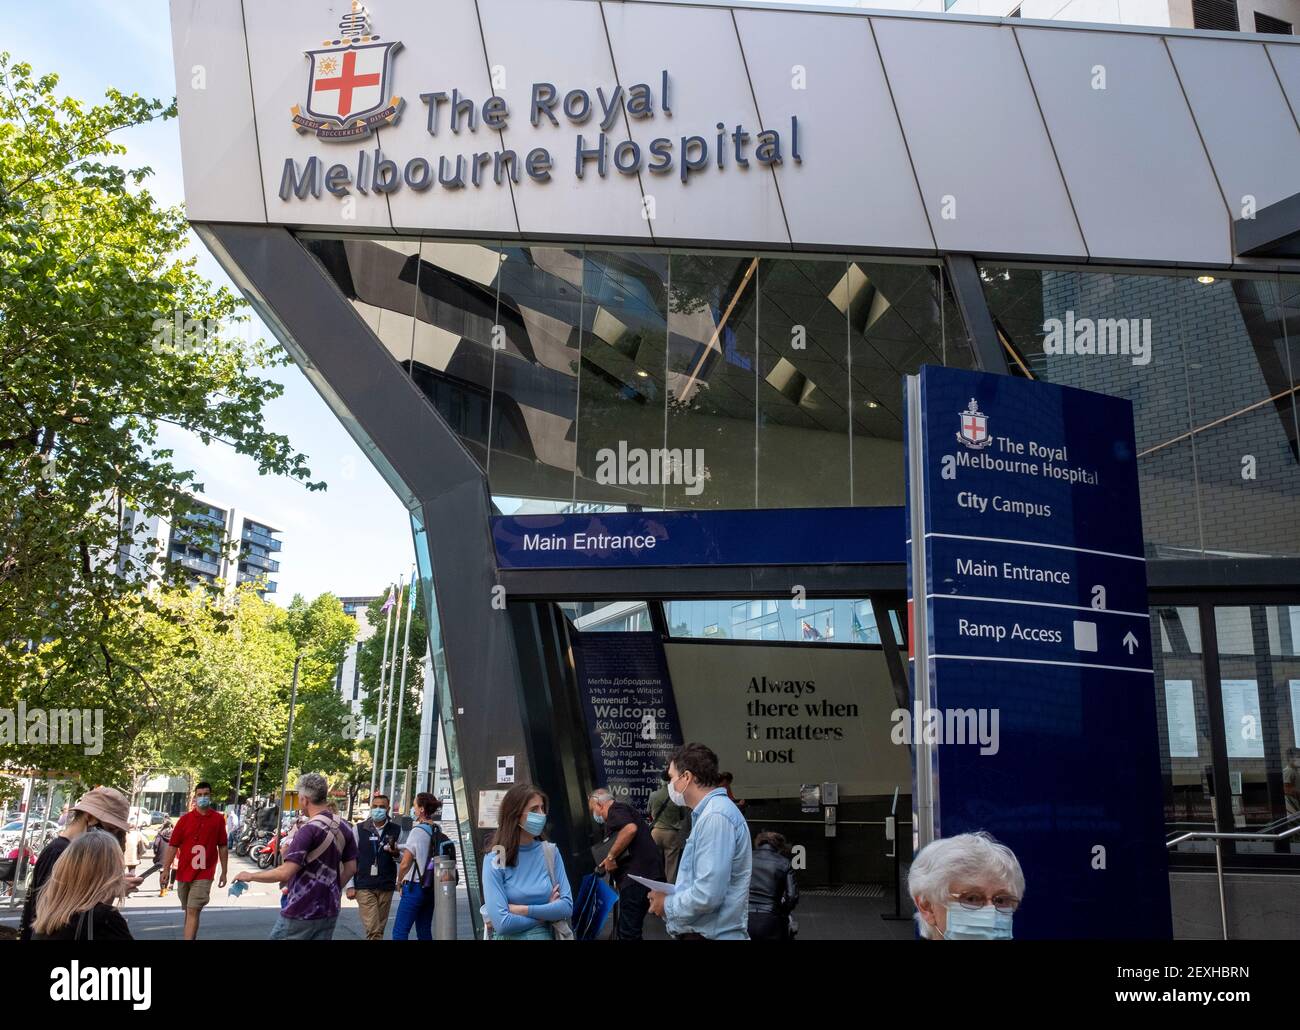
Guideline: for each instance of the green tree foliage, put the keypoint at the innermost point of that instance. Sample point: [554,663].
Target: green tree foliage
[93,281]
[323,736]
[319,632]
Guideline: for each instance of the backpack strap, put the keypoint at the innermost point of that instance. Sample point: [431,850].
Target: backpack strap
[333,835]
[548,852]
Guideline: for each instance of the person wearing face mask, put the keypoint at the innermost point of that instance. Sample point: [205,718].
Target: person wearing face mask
[199,840]
[632,852]
[966,888]
[711,901]
[419,891]
[101,807]
[525,888]
[376,877]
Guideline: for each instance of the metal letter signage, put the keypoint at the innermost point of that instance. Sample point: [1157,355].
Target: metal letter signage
[1028,595]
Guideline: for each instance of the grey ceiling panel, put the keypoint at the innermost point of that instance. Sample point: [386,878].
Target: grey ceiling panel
[564,43]
[1243,117]
[698,48]
[1286,62]
[855,185]
[223,180]
[988,178]
[1134,163]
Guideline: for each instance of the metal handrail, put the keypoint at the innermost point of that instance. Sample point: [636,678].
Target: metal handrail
[1206,835]
[1219,838]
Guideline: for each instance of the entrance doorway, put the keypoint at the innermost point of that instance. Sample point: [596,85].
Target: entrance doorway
[797,696]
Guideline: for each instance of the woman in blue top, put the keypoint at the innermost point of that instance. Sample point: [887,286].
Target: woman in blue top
[522,896]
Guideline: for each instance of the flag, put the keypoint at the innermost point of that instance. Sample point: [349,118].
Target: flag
[392,600]
[411,591]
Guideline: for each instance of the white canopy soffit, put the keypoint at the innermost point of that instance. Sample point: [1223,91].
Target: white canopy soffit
[735,126]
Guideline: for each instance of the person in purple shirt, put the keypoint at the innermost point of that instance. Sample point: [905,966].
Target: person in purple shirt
[525,889]
[319,859]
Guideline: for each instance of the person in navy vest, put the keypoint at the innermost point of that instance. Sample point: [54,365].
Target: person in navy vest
[376,877]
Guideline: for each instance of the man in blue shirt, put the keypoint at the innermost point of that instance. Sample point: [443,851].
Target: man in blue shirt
[711,901]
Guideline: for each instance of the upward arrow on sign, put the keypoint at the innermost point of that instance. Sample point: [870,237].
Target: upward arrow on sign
[1130,641]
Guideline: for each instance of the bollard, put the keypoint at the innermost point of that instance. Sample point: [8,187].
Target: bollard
[444,906]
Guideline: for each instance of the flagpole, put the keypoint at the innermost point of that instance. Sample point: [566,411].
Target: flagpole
[392,658]
[401,689]
[379,704]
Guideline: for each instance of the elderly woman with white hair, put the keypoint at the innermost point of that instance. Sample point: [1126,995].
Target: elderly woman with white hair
[966,888]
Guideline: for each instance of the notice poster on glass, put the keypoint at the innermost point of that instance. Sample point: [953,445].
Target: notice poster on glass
[1295,711]
[1241,718]
[1180,716]
[631,714]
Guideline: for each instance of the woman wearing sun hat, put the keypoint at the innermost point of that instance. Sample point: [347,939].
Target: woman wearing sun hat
[103,807]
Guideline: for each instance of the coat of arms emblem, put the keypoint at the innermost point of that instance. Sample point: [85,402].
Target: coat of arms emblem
[974,428]
[348,83]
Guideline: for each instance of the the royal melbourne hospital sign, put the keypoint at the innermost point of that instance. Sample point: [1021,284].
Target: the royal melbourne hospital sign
[350,94]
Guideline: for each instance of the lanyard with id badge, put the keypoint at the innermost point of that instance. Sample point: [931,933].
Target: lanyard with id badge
[376,839]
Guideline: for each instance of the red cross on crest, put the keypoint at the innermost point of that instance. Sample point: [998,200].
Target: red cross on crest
[974,428]
[348,83]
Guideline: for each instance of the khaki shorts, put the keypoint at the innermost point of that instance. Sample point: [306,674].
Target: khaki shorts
[194,893]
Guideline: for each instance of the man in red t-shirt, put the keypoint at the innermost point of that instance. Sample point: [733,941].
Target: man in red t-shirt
[199,839]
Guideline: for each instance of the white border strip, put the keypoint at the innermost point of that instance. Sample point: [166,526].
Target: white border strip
[1037,661]
[1030,543]
[1039,604]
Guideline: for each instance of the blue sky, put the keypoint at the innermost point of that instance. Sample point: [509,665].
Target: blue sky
[350,539]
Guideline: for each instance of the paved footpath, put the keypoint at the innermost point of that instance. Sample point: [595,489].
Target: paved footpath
[249,917]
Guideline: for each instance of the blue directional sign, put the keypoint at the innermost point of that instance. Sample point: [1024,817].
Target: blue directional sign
[762,536]
[1026,532]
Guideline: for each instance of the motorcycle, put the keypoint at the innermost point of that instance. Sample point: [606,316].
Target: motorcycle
[245,840]
[266,848]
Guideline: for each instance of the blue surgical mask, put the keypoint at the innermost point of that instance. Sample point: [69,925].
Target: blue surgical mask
[379,814]
[203,801]
[982,924]
[535,822]
[600,819]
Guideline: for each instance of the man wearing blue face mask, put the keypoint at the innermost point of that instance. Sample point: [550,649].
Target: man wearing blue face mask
[711,897]
[199,841]
[966,888]
[376,875]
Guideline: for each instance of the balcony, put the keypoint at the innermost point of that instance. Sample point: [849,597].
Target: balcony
[261,539]
[205,568]
[260,561]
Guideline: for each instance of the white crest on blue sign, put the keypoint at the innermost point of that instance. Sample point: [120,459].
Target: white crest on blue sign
[974,431]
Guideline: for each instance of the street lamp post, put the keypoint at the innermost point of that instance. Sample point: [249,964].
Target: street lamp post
[379,702]
[284,777]
[401,689]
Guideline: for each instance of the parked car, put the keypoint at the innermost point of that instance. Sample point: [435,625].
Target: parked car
[38,831]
